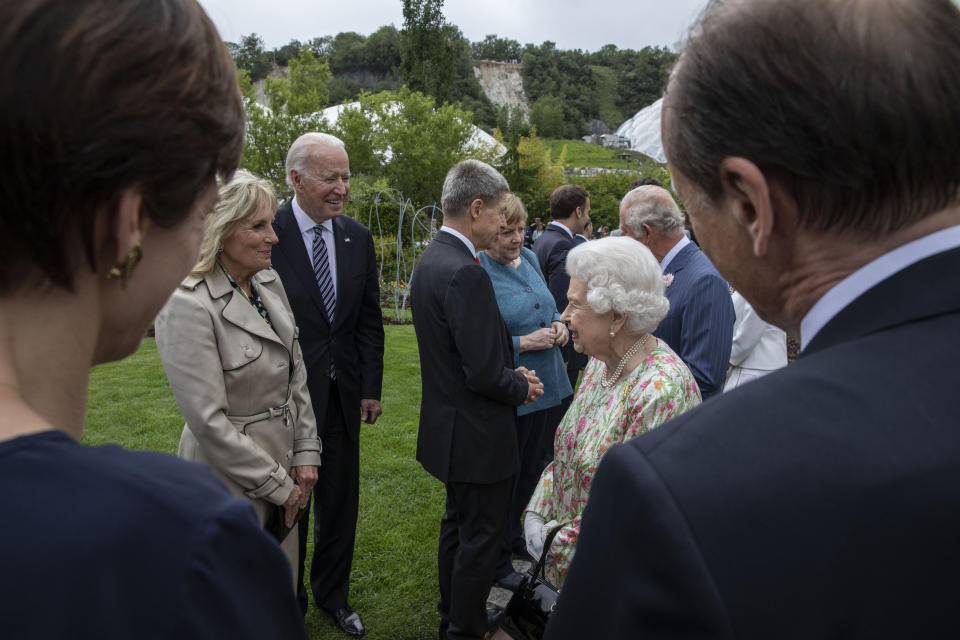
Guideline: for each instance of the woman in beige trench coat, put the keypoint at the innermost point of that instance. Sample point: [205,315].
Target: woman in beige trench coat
[229,346]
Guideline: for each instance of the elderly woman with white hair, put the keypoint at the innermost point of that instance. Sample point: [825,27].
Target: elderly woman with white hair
[230,348]
[633,383]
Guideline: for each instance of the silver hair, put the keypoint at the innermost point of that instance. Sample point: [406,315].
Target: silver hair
[651,205]
[467,181]
[299,154]
[621,275]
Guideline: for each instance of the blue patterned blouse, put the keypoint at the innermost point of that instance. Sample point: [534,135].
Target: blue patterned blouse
[527,305]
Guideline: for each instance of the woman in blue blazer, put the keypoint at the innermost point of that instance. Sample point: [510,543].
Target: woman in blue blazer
[531,316]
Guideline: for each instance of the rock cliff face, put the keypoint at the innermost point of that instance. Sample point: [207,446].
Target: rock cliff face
[502,83]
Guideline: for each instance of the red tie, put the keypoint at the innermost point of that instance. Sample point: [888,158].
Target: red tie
[477,259]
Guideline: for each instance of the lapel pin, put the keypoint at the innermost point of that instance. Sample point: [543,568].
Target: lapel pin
[346,239]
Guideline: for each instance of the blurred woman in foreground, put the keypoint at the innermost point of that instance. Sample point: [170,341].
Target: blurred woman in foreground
[116,117]
[633,383]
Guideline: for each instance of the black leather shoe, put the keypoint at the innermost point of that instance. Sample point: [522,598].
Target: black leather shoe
[348,621]
[511,581]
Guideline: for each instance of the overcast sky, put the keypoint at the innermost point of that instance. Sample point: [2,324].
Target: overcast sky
[571,24]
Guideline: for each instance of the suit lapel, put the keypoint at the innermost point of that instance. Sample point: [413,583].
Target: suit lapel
[238,310]
[681,259]
[282,321]
[345,247]
[290,242]
[925,289]
[452,241]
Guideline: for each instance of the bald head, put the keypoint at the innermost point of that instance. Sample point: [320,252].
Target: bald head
[653,206]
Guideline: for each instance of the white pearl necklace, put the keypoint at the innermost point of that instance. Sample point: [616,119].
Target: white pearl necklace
[632,351]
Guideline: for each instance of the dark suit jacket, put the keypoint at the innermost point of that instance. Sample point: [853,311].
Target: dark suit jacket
[355,342]
[551,250]
[467,417]
[821,501]
[699,325]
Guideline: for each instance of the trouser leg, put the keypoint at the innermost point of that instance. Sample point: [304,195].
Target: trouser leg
[530,438]
[336,501]
[468,551]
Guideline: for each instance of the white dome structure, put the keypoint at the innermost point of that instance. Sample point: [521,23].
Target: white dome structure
[643,130]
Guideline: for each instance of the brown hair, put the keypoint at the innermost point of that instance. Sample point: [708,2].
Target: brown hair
[515,211]
[565,199]
[852,106]
[99,96]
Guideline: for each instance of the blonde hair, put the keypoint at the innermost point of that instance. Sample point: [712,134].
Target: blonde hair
[240,199]
[515,210]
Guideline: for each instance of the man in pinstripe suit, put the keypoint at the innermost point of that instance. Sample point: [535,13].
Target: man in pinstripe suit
[328,267]
[699,325]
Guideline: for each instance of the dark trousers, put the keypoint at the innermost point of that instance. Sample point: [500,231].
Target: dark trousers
[530,439]
[467,554]
[336,499]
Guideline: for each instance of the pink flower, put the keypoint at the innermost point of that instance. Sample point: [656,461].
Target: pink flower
[667,280]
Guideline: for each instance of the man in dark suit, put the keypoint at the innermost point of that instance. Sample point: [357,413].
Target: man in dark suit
[823,500]
[467,436]
[570,210]
[329,270]
[699,325]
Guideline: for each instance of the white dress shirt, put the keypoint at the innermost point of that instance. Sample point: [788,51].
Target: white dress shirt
[871,274]
[560,225]
[684,241]
[307,232]
[464,239]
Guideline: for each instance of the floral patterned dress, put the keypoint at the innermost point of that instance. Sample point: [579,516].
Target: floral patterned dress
[660,388]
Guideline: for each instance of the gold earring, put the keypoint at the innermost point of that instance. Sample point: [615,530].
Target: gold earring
[125,270]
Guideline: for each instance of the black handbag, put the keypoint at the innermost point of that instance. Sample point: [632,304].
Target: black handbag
[530,607]
[276,524]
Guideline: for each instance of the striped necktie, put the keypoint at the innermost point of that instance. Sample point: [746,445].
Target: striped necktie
[321,269]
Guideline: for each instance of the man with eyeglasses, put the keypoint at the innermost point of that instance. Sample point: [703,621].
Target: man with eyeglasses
[329,270]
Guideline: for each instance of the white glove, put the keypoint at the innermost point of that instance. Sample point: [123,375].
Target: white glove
[534,532]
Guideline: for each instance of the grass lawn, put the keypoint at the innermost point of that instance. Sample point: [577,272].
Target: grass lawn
[394,578]
[584,154]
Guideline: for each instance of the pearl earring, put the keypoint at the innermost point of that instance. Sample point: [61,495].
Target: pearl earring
[612,334]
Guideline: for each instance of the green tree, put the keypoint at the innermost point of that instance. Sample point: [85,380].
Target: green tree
[283,55]
[249,55]
[547,116]
[428,63]
[424,142]
[355,127]
[495,48]
[306,89]
[604,96]
[346,52]
[292,109]
[382,52]
[529,168]
[404,137]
